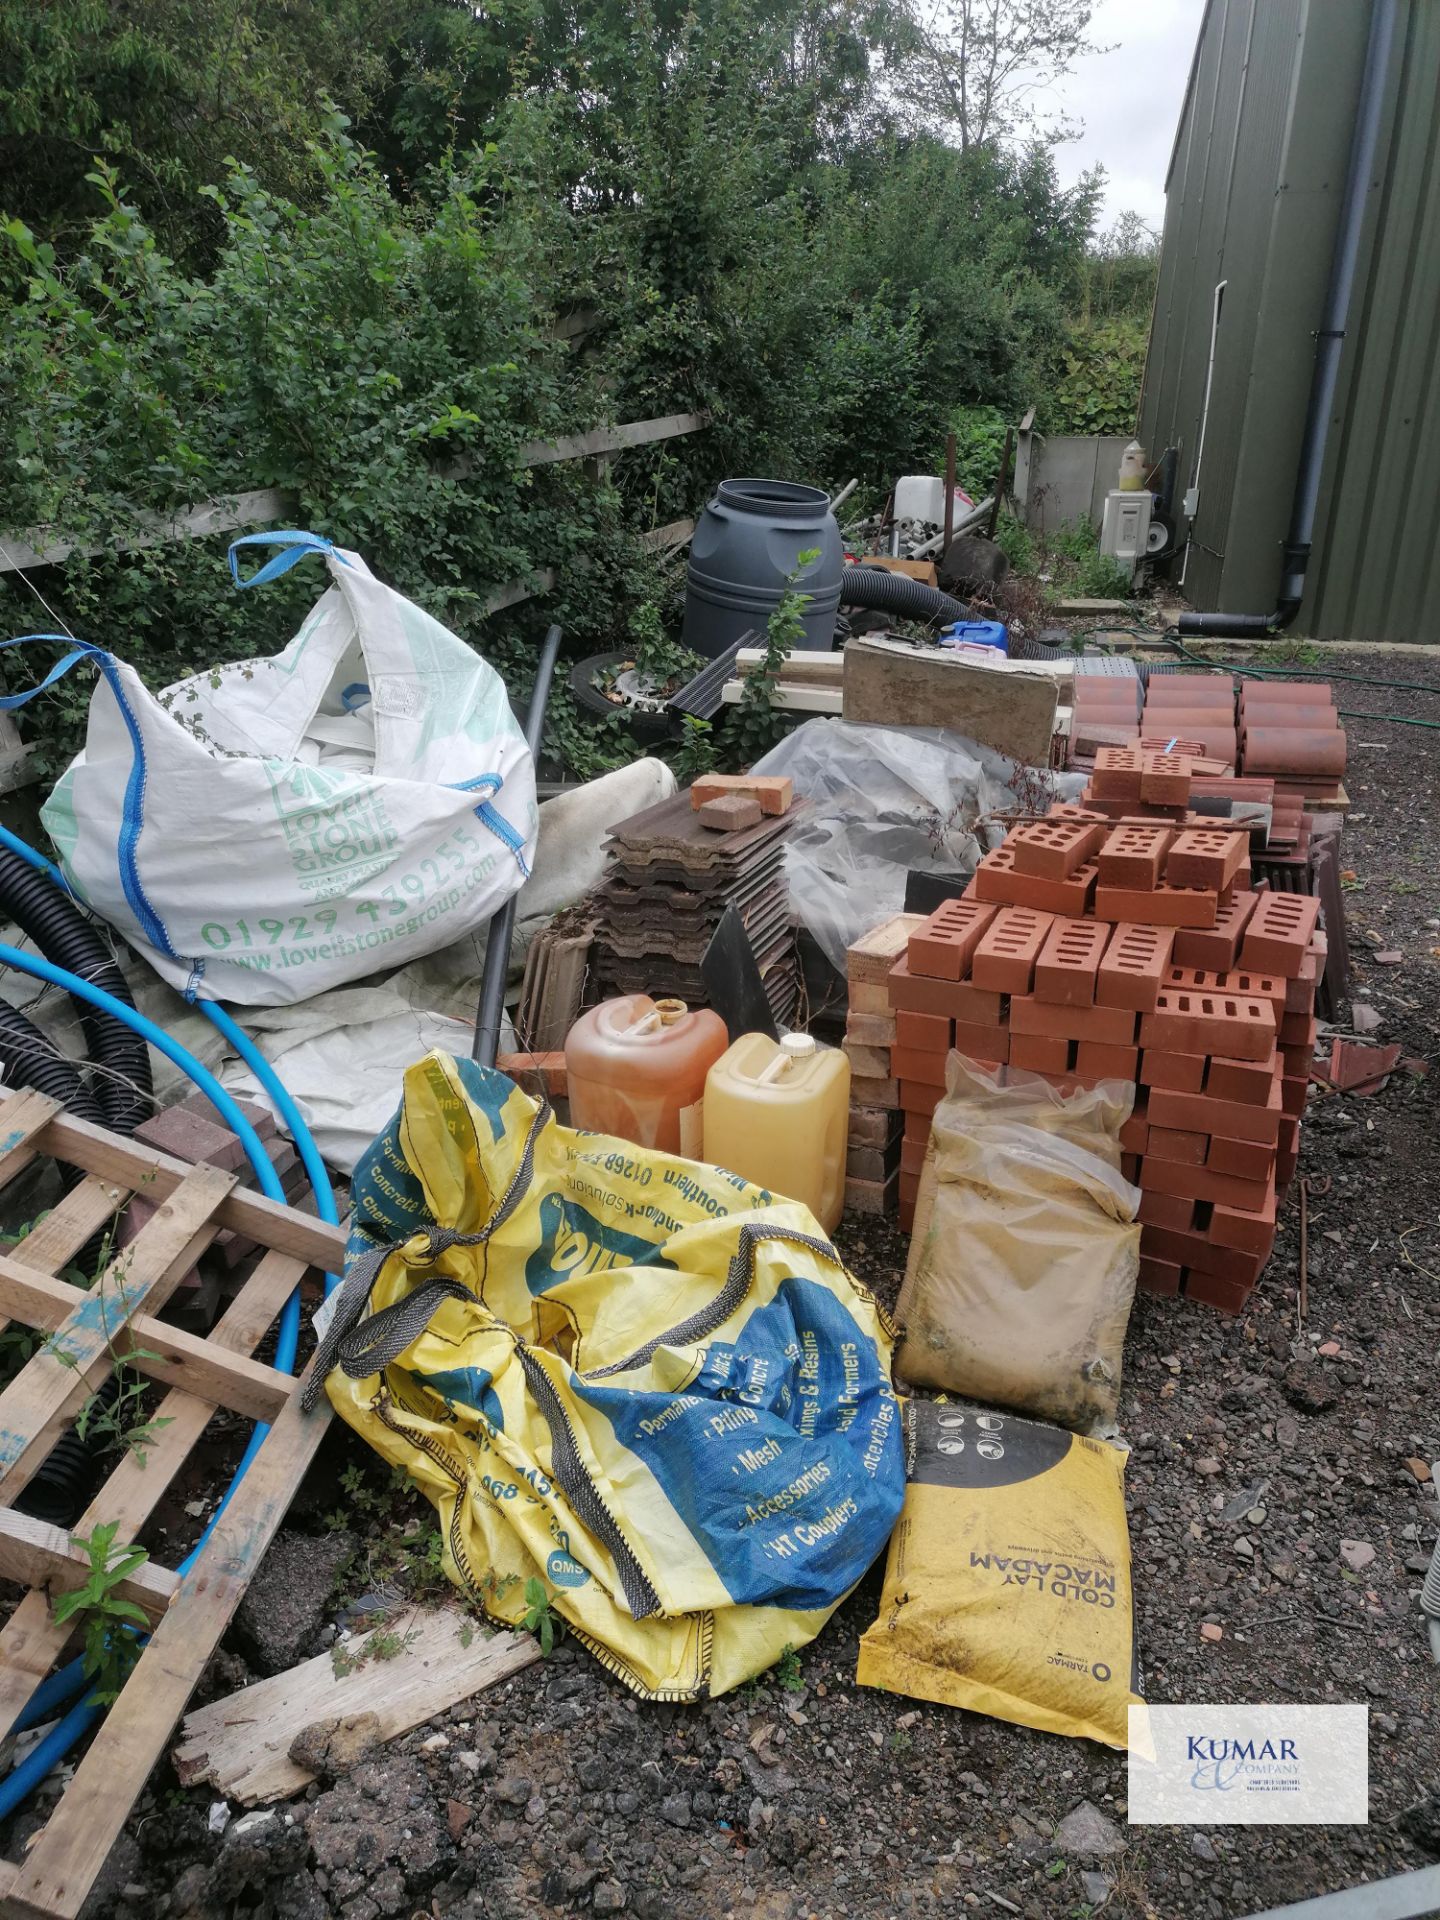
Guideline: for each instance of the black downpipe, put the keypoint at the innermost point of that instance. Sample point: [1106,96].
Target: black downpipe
[502,925]
[880,591]
[123,1083]
[1329,341]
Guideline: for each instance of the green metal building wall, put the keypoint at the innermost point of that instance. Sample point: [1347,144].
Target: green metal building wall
[1252,200]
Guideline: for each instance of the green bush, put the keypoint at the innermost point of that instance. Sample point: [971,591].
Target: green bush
[1098,389]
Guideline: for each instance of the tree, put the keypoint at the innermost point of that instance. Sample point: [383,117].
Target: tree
[974,67]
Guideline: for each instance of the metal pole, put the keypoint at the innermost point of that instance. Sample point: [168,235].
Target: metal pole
[949,490]
[491,1009]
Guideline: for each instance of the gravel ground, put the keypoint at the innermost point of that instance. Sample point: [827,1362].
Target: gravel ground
[1259,1445]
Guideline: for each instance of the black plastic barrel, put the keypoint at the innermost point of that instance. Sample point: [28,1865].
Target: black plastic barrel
[745,547]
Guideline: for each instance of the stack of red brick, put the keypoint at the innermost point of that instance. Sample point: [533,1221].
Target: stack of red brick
[1092,948]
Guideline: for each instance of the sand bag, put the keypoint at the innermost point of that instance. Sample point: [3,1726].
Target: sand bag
[272,828]
[1025,1254]
[636,1379]
[1007,1588]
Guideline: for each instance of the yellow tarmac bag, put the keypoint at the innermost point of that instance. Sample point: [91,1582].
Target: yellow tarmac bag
[639,1380]
[1007,1588]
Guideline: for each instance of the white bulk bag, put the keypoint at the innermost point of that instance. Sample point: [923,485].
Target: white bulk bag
[270,829]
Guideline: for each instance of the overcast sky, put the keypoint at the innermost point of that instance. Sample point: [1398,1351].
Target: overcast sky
[1129,100]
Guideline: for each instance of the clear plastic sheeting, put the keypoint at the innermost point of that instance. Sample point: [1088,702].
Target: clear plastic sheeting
[888,800]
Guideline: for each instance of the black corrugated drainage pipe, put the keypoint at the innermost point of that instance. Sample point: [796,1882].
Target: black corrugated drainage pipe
[28,1059]
[1328,343]
[123,1082]
[881,591]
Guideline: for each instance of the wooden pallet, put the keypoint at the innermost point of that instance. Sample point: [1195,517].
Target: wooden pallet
[92,1329]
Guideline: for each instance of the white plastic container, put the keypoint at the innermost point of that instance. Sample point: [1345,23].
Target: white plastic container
[777,1113]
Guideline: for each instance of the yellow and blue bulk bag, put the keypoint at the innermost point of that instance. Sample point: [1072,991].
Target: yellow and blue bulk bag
[641,1380]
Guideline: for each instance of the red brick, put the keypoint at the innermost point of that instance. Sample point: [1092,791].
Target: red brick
[1133,967]
[980,1008]
[1285,1170]
[1175,1143]
[928,1031]
[1205,857]
[1288,1139]
[537,1073]
[1237,1027]
[941,949]
[1236,1120]
[912,1154]
[1233,980]
[1169,1210]
[1112,1026]
[1135,1134]
[1129,1162]
[1204,1183]
[1293,1094]
[1197,1253]
[1300,992]
[1246,1229]
[1243,1157]
[1240,1079]
[1004,961]
[1117,774]
[1176,1072]
[1066,965]
[774,791]
[1298,1030]
[909,1063]
[996,880]
[917,1126]
[1132,856]
[990,1044]
[1217,947]
[1100,1060]
[1165,779]
[1162,906]
[912,993]
[1159,1276]
[1052,849]
[1278,933]
[1210,1290]
[916,1096]
[1040,1053]
[1296,1062]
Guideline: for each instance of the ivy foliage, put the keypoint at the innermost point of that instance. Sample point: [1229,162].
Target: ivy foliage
[366,255]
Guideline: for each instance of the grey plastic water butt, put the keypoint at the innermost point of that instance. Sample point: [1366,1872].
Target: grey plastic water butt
[745,546]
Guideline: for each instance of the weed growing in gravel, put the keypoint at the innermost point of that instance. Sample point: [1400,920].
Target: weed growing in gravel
[787,1671]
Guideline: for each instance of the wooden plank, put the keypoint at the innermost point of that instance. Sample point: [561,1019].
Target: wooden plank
[152,1347]
[45,546]
[31,1642]
[241,1744]
[637,433]
[794,698]
[82,1144]
[889,683]
[675,534]
[23,1118]
[514,591]
[39,1555]
[58,1872]
[36,1407]
[801,668]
